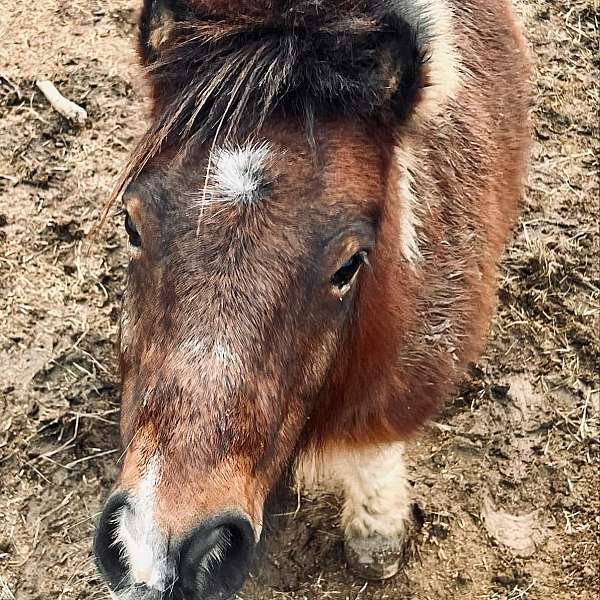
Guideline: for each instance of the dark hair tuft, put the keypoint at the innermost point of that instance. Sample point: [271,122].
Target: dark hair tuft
[219,76]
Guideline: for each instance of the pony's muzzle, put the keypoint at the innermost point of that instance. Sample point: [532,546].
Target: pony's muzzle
[210,562]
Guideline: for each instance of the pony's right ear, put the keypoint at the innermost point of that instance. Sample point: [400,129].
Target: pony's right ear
[156,26]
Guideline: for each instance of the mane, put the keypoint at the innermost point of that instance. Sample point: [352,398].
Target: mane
[217,77]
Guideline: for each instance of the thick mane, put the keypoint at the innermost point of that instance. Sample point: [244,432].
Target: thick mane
[215,75]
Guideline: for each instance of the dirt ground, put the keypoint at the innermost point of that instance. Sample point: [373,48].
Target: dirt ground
[517,450]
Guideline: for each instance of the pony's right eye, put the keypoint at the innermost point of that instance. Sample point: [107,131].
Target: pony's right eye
[132,232]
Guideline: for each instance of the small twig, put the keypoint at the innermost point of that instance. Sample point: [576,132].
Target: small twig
[443,428]
[66,445]
[60,104]
[64,502]
[6,592]
[90,457]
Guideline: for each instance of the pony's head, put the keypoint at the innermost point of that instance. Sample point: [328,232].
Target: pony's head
[268,273]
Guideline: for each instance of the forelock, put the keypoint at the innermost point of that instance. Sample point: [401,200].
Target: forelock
[223,76]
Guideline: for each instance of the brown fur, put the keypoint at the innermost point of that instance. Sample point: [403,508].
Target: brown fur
[374,371]
[471,167]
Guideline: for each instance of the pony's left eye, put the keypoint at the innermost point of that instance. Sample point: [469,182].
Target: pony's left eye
[132,232]
[342,279]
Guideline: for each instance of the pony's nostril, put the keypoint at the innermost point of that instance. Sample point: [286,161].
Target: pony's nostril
[215,558]
[107,552]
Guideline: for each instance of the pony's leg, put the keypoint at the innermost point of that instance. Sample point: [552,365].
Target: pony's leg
[376,508]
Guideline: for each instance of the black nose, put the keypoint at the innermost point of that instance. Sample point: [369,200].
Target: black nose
[210,563]
[109,557]
[215,558]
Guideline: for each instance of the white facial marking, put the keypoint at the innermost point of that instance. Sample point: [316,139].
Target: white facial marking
[217,350]
[143,547]
[223,353]
[239,172]
[222,369]
[219,361]
[409,222]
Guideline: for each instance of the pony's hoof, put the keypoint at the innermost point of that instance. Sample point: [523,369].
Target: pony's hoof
[375,557]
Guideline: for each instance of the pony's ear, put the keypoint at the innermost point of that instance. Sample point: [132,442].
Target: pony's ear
[157,21]
[396,77]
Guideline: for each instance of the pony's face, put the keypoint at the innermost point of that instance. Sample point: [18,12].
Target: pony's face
[245,274]
[263,278]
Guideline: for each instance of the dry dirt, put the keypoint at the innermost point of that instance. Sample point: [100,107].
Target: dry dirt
[519,445]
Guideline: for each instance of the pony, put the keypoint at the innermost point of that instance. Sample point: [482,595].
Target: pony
[315,216]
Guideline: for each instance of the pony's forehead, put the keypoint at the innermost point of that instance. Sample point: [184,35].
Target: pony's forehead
[272,171]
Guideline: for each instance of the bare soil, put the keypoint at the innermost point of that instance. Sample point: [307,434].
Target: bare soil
[516,451]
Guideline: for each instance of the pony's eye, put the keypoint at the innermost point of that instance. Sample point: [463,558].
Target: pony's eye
[344,276]
[132,232]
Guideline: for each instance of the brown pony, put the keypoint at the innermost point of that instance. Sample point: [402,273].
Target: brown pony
[315,215]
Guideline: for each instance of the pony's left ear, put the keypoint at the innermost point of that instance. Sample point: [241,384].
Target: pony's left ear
[401,66]
[373,67]
[156,25]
